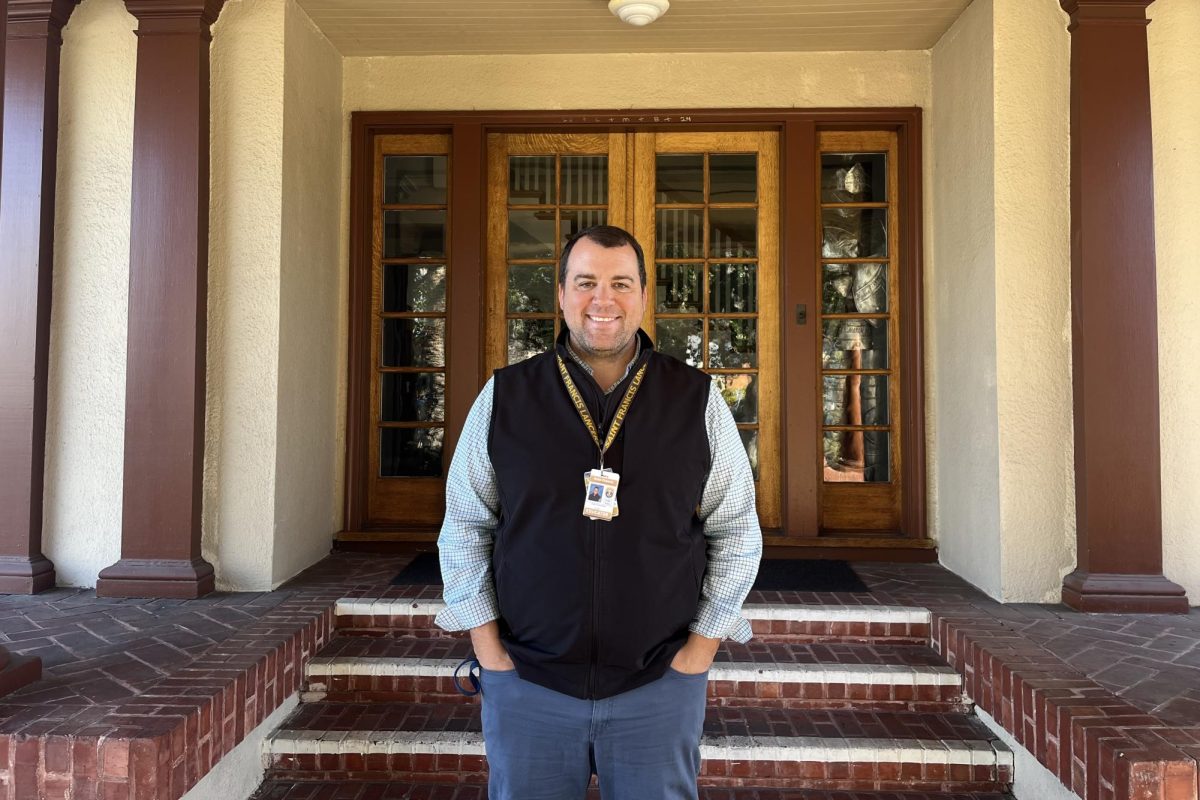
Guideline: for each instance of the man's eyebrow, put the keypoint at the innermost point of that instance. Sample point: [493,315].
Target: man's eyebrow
[590,277]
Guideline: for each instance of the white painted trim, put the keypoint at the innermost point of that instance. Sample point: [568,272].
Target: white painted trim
[871,674]
[724,748]
[1031,780]
[241,770]
[388,608]
[836,613]
[751,611]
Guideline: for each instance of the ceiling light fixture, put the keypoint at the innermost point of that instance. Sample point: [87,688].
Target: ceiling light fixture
[639,12]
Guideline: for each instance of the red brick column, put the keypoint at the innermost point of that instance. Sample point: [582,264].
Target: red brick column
[34,41]
[1114,317]
[168,278]
[14,672]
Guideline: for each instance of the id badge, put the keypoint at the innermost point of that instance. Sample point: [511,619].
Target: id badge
[600,494]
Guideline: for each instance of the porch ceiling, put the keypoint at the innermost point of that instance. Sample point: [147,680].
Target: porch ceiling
[460,27]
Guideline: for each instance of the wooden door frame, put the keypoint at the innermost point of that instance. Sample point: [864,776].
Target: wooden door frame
[798,129]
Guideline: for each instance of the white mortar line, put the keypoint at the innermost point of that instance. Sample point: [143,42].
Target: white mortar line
[723,748]
[872,674]
[751,611]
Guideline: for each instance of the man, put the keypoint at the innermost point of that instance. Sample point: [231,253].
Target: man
[594,621]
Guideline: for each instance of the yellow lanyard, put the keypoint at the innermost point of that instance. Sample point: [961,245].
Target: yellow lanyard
[581,407]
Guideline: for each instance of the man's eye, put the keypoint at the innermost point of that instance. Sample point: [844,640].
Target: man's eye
[621,287]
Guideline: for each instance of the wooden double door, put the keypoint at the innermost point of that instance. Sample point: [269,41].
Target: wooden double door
[807,353]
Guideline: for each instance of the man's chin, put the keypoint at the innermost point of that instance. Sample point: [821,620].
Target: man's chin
[603,349]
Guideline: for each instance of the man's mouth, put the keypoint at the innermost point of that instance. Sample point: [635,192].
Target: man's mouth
[595,318]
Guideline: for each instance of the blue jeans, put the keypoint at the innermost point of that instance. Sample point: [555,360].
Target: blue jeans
[643,744]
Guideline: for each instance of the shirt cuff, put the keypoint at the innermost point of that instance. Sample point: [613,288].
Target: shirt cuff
[715,624]
[468,614]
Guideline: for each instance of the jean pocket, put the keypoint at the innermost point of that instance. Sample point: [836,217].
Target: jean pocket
[686,675]
[496,673]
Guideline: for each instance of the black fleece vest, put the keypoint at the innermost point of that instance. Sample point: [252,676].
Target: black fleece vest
[592,608]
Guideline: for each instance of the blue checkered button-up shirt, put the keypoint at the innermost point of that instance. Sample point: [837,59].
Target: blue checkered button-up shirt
[726,509]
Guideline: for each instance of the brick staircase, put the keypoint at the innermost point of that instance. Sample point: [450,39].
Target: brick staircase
[848,702]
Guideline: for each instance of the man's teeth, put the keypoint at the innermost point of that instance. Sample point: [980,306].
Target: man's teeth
[602,319]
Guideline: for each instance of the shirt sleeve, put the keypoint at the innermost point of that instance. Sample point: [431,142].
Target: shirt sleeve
[468,529]
[731,527]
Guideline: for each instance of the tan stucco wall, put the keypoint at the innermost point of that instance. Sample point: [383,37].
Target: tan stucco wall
[1175,105]
[269,504]
[1000,314]
[86,410]
[961,293]
[1033,299]
[243,292]
[307,511]
[632,80]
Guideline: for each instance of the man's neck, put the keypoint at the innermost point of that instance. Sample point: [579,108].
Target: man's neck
[606,370]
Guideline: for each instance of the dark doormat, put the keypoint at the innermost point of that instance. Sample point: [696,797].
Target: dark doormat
[423,570]
[774,575]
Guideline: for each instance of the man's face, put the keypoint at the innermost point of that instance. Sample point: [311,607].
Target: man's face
[602,298]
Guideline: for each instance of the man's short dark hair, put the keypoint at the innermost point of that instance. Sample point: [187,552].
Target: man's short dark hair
[606,236]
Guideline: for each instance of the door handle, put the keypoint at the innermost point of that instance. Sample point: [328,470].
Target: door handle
[801,314]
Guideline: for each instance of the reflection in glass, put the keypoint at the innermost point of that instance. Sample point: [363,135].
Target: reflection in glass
[679,288]
[528,338]
[732,343]
[855,399]
[741,393]
[414,287]
[414,342]
[750,442]
[531,234]
[681,338]
[857,457]
[417,180]
[410,452]
[680,232]
[575,220]
[854,232]
[531,180]
[679,179]
[850,288]
[584,180]
[733,232]
[732,288]
[853,177]
[732,178]
[854,344]
[412,397]
[414,234]
[531,288]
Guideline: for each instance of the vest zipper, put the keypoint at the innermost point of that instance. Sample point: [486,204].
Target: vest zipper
[594,665]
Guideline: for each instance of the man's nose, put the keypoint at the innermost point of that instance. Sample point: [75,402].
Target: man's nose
[602,293]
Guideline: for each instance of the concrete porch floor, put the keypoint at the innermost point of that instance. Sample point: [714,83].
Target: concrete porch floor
[181,682]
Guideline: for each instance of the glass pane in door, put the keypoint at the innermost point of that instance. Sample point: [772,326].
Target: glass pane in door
[706,302]
[857,349]
[410,314]
[551,197]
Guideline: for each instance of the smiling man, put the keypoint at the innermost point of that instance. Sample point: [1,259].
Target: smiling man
[594,620]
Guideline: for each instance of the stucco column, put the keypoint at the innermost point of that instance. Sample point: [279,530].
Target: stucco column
[168,279]
[34,42]
[1114,317]
[14,672]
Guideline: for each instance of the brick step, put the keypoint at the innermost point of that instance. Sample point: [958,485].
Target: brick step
[413,616]
[771,748]
[781,675]
[394,790]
